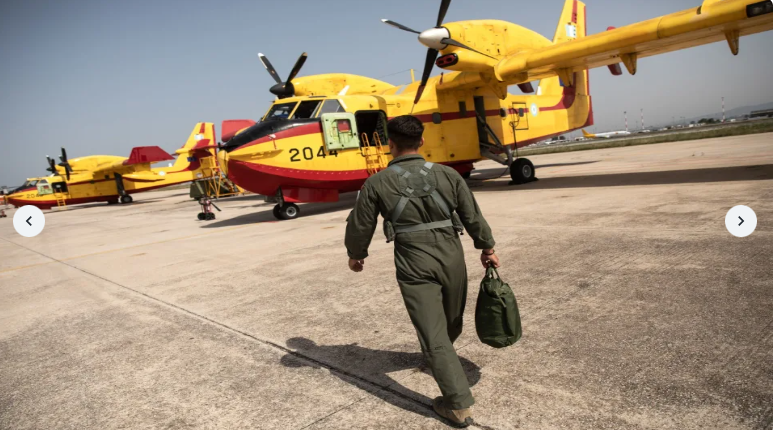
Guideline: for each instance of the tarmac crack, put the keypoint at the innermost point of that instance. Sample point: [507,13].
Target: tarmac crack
[332,368]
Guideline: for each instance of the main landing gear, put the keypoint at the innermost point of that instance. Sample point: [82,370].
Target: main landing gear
[286,211]
[522,171]
[126,199]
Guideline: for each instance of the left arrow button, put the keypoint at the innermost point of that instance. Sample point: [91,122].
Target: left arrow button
[29,221]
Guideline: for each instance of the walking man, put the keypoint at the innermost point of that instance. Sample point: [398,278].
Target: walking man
[425,207]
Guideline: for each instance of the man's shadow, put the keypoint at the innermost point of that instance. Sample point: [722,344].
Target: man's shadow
[368,370]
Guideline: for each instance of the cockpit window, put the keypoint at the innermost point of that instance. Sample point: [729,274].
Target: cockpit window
[306,109]
[280,111]
[331,106]
[30,183]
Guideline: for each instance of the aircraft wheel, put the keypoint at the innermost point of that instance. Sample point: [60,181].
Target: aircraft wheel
[200,216]
[113,202]
[211,216]
[466,175]
[289,211]
[522,171]
[126,199]
[276,212]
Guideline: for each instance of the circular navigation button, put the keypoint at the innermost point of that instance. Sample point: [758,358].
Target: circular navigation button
[741,221]
[29,221]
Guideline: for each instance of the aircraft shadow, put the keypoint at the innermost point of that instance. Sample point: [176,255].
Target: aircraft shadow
[493,173]
[689,176]
[353,360]
[347,201]
[102,204]
[575,163]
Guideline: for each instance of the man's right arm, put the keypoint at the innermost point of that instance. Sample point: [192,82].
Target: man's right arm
[361,223]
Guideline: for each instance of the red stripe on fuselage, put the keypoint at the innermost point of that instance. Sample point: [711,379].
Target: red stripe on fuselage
[48,204]
[265,180]
[568,97]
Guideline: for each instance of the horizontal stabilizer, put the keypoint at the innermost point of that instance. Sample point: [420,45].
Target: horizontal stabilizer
[230,128]
[202,145]
[147,154]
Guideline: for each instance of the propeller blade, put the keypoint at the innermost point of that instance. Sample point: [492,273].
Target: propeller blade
[51,164]
[432,54]
[269,67]
[402,27]
[296,67]
[453,42]
[63,157]
[442,12]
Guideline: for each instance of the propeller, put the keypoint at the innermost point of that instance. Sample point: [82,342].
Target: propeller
[282,89]
[436,39]
[64,163]
[51,165]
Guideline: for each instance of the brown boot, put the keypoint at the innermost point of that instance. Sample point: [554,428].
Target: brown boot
[460,417]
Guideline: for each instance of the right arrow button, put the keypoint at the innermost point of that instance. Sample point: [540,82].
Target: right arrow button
[741,221]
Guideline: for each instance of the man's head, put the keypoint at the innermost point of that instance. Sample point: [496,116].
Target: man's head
[405,133]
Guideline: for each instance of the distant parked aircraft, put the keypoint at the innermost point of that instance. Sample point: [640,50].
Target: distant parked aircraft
[588,135]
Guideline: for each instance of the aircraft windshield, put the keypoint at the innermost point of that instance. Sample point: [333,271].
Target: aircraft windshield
[280,111]
[30,183]
[306,109]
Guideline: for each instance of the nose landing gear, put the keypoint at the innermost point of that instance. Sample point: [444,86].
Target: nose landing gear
[286,211]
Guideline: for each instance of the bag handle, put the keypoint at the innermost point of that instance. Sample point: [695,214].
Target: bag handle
[491,271]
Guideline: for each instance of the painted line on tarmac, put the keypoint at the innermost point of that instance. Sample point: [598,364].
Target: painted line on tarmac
[265,342]
[108,251]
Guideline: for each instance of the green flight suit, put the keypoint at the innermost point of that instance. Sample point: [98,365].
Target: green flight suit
[429,264]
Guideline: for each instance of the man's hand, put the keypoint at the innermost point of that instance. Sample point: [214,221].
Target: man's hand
[491,258]
[356,265]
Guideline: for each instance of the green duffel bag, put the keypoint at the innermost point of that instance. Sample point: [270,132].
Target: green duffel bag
[498,323]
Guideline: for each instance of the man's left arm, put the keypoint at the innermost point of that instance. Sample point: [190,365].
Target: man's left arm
[361,225]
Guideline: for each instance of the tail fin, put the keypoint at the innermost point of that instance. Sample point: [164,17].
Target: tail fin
[587,134]
[201,143]
[572,25]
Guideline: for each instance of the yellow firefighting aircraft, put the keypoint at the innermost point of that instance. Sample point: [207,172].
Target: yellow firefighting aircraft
[107,178]
[325,134]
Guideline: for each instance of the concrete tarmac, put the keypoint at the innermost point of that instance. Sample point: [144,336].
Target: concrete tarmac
[639,309]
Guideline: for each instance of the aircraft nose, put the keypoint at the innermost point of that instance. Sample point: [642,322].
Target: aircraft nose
[432,38]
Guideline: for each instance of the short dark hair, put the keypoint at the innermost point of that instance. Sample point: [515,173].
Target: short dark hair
[405,132]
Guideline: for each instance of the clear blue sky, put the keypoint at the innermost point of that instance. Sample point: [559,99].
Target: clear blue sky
[100,77]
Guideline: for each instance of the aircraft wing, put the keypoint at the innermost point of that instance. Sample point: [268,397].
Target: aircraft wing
[713,21]
[144,176]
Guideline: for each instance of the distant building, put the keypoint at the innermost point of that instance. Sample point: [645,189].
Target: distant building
[765,113]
